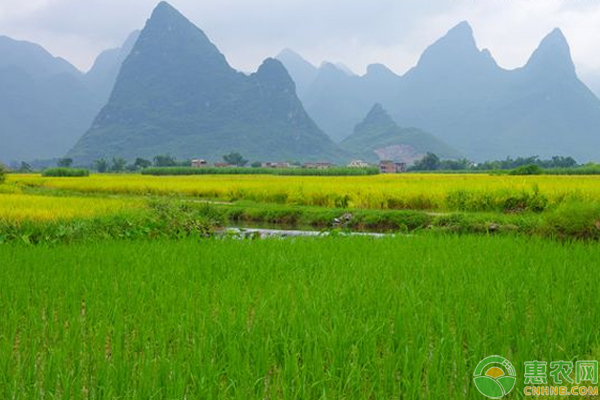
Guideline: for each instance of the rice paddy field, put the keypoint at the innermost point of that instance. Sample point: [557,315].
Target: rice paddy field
[468,192]
[120,287]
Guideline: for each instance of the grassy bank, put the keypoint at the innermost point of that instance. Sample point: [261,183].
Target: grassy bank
[336,318]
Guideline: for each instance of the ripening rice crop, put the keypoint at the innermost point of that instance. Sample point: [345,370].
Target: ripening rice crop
[469,192]
[21,207]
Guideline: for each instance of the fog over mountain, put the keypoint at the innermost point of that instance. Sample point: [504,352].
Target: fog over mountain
[45,102]
[459,93]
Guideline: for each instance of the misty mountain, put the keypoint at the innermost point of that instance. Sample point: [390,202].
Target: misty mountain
[177,94]
[101,78]
[302,71]
[378,137]
[459,93]
[46,104]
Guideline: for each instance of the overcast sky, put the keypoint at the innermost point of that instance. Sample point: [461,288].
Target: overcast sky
[354,32]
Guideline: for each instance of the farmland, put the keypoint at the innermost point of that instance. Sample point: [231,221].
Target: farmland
[354,318]
[466,192]
[121,286]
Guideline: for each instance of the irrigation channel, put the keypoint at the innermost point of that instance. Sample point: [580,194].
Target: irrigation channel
[284,233]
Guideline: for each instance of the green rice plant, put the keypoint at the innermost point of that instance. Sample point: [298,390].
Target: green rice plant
[66,172]
[354,318]
[574,219]
[589,169]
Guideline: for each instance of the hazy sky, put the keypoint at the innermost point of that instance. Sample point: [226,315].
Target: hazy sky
[354,32]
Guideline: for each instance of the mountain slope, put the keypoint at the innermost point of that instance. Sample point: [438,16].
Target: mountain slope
[458,93]
[177,94]
[32,59]
[302,72]
[44,105]
[378,137]
[101,78]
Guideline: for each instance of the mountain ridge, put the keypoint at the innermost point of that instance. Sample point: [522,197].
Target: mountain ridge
[460,94]
[177,94]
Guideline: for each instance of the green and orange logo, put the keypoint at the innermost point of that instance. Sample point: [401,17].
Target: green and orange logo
[495,377]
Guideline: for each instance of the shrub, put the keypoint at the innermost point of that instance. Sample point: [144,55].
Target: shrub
[66,172]
[2,173]
[530,169]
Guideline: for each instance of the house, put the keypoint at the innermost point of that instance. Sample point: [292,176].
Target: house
[199,163]
[318,165]
[222,165]
[275,165]
[358,164]
[391,167]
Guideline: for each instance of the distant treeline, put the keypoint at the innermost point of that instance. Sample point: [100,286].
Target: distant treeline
[432,162]
[556,165]
[335,171]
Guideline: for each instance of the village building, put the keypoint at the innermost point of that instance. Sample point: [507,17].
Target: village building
[318,165]
[275,165]
[199,163]
[391,167]
[358,164]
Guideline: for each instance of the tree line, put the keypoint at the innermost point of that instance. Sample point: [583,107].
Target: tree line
[432,162]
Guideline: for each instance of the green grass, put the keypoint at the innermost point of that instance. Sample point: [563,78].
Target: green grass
[336,171]
[158,219]
[330,318]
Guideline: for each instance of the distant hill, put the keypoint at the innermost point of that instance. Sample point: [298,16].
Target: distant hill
[101,78]
[459,93]
[177,94]
[302,71]
[46,104]
[378,137]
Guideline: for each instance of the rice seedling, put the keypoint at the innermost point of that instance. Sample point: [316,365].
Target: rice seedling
[354,318]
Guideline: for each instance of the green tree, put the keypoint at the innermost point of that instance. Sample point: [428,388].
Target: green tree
[236,159]
[25,168]
[65,162]
[101,165]
[256,164]
[165,160]
[142,163]
[2,173]
[118,164]
[430,162]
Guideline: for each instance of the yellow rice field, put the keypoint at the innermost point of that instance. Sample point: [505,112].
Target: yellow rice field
[406,191]
[21,207]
